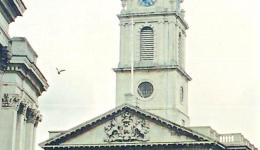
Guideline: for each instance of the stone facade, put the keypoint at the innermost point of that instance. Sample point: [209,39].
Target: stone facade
[20,85]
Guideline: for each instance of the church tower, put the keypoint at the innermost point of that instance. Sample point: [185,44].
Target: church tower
[151,71]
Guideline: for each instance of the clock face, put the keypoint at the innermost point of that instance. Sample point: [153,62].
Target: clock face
[145,89]
[147,3]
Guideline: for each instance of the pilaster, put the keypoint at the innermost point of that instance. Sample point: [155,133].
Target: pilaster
[31,124]
[20,128]
[8,121]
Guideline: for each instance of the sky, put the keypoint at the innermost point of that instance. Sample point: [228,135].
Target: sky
[82,36]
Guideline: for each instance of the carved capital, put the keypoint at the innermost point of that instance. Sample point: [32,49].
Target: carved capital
[38,119]
[23,108]
[10,101]
[31,115]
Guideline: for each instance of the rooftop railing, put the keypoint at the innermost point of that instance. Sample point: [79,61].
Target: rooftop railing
[235,139]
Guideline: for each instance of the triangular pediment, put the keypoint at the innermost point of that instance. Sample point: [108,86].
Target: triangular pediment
[125,124]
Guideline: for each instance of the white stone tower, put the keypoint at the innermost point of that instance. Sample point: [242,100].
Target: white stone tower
[151,72]
[21,83]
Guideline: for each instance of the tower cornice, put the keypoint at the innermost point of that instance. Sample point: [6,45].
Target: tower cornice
[145,14]
[167,67]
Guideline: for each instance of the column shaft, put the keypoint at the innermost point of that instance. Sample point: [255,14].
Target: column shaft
[8,128]
[29,136]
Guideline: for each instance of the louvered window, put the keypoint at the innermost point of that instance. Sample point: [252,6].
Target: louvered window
[147,44]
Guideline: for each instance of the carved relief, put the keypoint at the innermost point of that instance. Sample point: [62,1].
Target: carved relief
[8,101]
[127,128]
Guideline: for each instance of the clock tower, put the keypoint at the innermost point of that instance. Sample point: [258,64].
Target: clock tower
[151,71]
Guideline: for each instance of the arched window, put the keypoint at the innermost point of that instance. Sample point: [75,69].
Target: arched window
[180,50]
[147,44]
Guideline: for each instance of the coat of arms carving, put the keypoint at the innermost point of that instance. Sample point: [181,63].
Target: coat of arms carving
[127,128]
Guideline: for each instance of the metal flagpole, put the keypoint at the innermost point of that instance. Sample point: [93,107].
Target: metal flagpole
[132,56]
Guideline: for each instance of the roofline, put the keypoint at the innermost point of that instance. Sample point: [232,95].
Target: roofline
[168,123]
[132,145]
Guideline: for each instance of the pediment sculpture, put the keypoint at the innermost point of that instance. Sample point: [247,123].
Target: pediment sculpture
[127,128]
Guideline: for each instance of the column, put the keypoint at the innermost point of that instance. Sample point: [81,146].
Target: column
[8,121]
[31,119]
[38,119]
[20,128]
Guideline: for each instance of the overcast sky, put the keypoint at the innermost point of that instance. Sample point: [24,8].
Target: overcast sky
[82,36]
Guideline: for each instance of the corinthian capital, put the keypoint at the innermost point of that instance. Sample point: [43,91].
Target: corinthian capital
[38,119]
[23,108]
[31,115]
[10,101]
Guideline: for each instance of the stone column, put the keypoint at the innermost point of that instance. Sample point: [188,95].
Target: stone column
[38,119]
[20,128]
[31,119]
[8,121]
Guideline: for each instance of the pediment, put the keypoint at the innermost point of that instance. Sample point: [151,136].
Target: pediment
[125,124]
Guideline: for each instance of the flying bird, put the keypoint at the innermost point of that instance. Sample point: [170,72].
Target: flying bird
[60,71]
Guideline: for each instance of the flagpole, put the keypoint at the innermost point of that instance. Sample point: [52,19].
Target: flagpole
[132,56]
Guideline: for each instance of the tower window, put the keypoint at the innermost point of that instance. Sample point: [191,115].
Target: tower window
[180,48]
[147,44]
[145,89]
[181,95]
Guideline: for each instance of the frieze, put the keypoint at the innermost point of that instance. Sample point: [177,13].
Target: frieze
[10,101]
[127,128]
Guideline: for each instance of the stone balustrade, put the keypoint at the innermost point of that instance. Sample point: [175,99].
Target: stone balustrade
[235,139]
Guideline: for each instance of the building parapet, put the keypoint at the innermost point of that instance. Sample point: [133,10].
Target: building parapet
[230,140]
[235,139]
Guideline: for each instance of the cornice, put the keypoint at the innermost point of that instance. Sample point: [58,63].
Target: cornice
[166,67]
[11,9]
[32,73]
[137,145]
[144,14]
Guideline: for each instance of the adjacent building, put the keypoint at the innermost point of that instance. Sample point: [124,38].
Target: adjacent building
[21,83]
[151,90]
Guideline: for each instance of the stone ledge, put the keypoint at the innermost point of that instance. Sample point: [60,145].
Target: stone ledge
[164,13]
[171,67]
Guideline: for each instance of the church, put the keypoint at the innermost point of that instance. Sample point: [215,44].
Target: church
[151,90]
